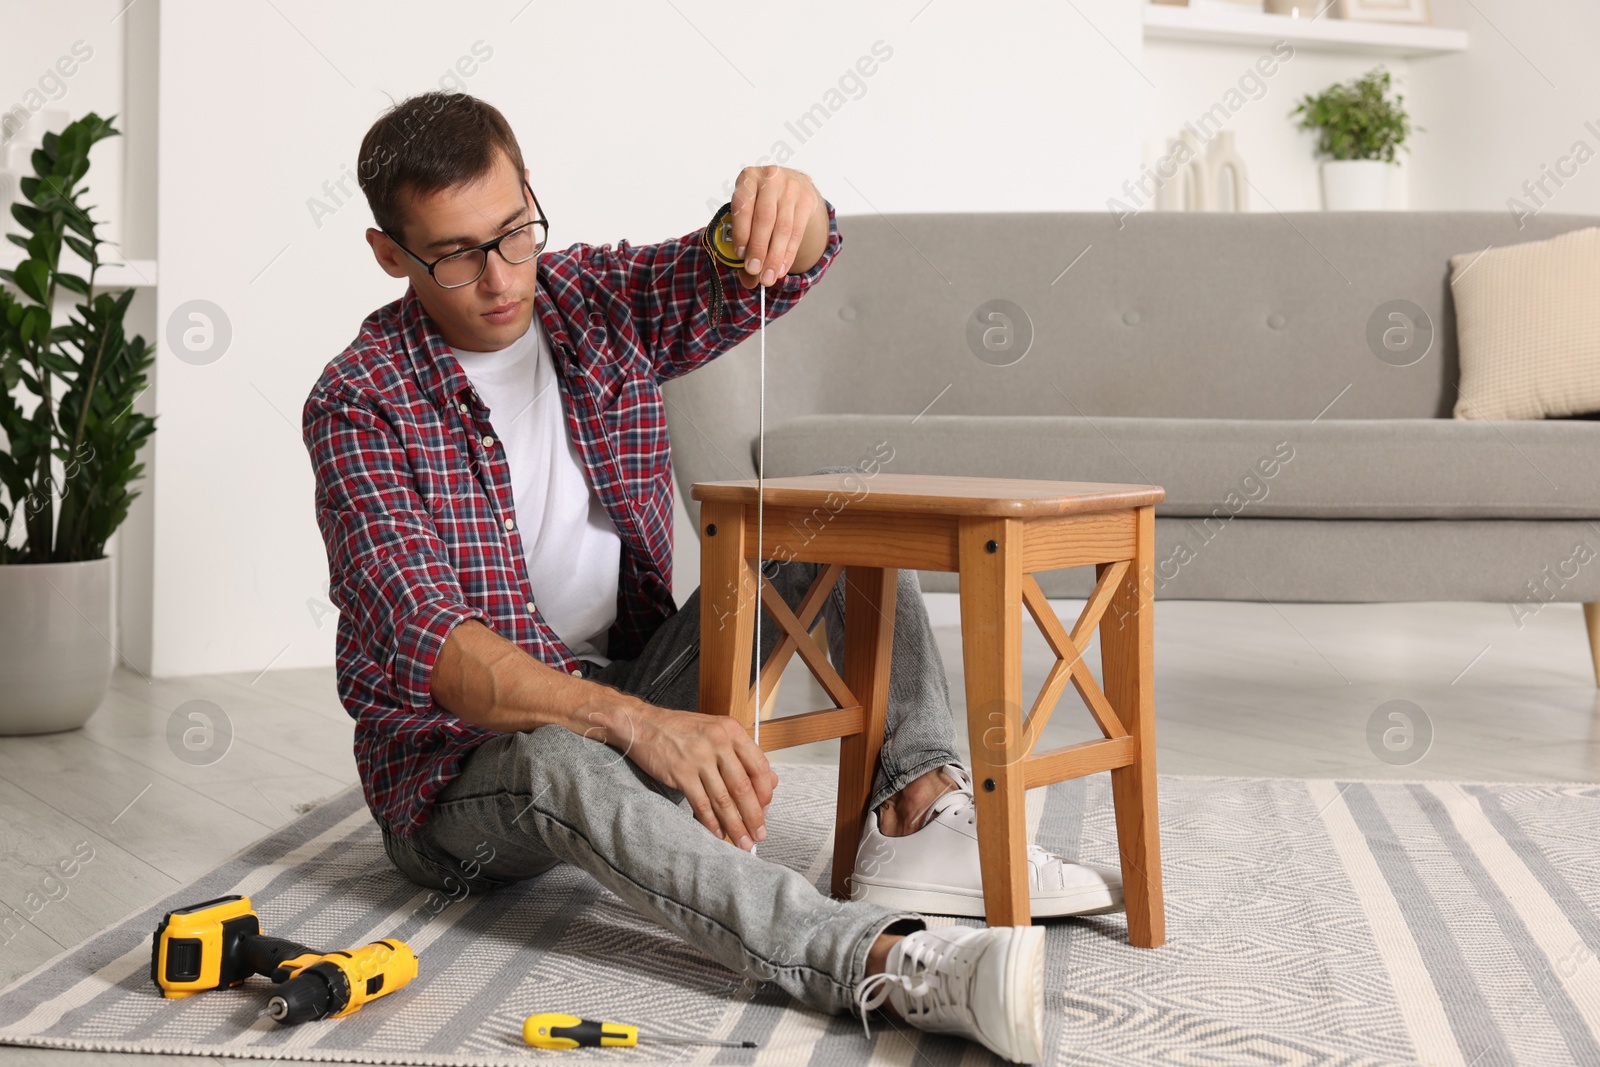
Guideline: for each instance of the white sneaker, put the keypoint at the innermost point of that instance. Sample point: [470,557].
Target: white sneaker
[986,985]
[934,870]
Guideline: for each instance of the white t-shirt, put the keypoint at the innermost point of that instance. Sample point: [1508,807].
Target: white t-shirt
[573,552]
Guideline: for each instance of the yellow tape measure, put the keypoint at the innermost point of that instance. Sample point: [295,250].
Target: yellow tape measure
[719,238]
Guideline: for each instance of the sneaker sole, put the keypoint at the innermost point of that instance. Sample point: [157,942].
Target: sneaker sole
[945,901]
[1025,980]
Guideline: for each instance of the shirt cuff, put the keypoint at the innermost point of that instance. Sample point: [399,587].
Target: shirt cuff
[417,646]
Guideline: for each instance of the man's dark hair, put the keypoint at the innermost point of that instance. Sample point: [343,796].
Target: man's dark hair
[427,143]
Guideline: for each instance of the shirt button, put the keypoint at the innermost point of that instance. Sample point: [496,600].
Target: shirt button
[488,442]
[530,607]
[511,524]
[577,672]
[463,408]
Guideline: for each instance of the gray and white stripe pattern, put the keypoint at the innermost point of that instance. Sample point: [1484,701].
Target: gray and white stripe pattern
[1309,922]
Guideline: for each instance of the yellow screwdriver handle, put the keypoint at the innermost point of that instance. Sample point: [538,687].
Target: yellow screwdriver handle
[550,1029]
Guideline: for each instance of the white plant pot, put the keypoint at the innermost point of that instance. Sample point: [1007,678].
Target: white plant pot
[1355,184]
[55,647]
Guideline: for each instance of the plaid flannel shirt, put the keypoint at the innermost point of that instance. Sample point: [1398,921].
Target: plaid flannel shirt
[413,491]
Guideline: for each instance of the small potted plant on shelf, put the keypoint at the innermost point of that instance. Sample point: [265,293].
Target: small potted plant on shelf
[1358,129]
[67,458]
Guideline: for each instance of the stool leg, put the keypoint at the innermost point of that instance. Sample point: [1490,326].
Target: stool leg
[727,613]
[868,643]
[1127,642]
[991,641]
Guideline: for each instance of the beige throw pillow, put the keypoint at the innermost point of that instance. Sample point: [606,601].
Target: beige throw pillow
[1528,328]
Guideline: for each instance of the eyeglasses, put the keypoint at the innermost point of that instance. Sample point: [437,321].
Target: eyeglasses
[467,266]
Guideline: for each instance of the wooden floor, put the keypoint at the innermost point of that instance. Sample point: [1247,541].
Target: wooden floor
[1241,689]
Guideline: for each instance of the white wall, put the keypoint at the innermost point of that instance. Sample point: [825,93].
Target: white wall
[632,116]
[1511,105]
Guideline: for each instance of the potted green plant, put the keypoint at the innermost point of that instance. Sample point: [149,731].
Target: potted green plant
[69,456]
[1359,127]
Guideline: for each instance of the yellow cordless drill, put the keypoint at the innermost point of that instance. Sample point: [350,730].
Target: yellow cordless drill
[219,943]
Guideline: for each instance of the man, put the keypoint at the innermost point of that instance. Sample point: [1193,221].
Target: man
[523,684]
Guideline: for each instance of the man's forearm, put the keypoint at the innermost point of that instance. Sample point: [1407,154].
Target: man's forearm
[484,679]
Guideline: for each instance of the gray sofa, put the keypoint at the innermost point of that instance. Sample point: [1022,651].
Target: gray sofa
[1237,360]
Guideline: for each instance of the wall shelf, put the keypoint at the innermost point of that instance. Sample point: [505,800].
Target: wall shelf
[134,274]
[1164,22]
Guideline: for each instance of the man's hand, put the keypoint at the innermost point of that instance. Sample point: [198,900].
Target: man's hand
[780,221]
[710,759]
[488,681]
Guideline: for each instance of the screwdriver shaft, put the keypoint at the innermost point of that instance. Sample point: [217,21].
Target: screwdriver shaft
[645,1039]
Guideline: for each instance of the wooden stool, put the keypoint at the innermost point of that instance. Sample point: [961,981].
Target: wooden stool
[995,532]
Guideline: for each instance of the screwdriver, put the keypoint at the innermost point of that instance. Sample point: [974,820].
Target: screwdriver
[549,1029]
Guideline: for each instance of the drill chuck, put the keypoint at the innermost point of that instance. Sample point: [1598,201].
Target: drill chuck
[314,993]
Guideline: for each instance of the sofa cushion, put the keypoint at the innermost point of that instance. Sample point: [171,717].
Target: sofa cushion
[1528,328]
[1267,468]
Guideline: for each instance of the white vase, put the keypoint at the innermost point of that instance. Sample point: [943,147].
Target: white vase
[1355,185]
[1186,188]
[1229,189]
[55,644]
[10,193]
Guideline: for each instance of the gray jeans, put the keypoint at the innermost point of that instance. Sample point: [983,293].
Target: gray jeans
[549,795]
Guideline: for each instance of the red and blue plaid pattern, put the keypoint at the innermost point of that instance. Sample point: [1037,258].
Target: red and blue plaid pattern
[414,501]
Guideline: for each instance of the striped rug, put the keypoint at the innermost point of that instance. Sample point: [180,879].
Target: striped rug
[1309,922]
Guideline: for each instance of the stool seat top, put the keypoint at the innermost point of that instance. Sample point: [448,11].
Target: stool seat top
[1017,498]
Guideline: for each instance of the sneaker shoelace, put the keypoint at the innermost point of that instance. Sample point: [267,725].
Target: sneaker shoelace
[938,999]
[959,801]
